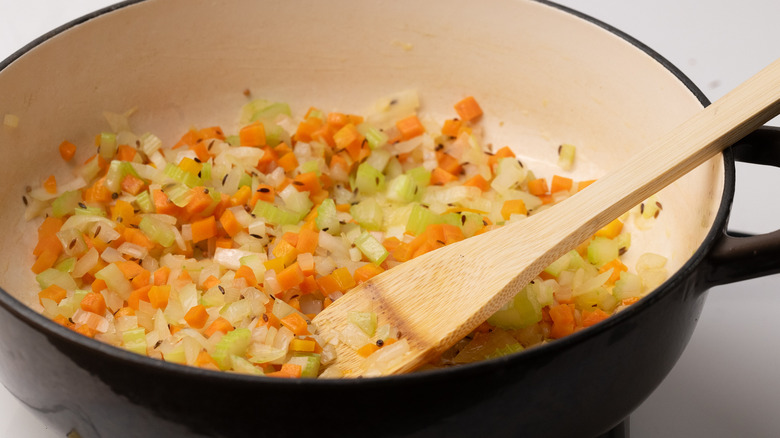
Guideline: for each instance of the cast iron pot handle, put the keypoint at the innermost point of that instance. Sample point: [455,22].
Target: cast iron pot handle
[739,256]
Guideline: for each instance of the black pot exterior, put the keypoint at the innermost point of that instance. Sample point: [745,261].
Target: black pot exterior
[582,385]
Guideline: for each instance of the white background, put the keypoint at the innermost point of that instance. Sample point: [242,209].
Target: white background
[727,382]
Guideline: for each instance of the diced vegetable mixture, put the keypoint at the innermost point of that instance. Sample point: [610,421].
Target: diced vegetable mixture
[217,251]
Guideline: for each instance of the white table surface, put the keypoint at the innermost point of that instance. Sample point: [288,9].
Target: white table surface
[727,383]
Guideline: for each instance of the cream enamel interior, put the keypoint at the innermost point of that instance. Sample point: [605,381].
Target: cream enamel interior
[543,77]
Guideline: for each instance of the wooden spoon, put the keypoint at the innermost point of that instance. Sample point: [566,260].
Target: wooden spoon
[438,298]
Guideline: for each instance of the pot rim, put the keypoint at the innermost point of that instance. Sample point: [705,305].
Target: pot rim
[52,329]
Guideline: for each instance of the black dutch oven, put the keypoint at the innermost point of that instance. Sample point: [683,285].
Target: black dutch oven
[544,74]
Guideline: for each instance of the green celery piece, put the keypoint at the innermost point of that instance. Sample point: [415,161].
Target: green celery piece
[68,306]
[66,265]
[310,364]
[556,267]
[505,351]
[311,166]
[180,175]
[271,111]
[602,250]
[176,355]
[274,134]
[179,194]
[115,280]
[241,365]
[107,148]
[90,211]
[420,218]
[368,213]
[135,340]
[375,137]
[470,223]
[66,203]
[245,180]
[369,180]
[275,215]
[205,172]
[566,156]
[54,276]
[403,188]
[365,321]
[235,343]
[327,218]
[144,202]
[371,248]
[421,176]
[523,311]
[158,231]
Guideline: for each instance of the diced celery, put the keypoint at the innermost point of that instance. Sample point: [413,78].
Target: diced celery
[368,213]
[393,168]
[508,174]
[245,180]
[233,140]
[295,201]
[150,143]
[157,230]
[179,194]
[107,148]
[371,248]
[470,223]
[66,265]
[327,217]
[420,218]
[234,342]
[68,306]
[135,340]
[421,176]
[505,351]
[365,321]
[205,171]
[54,276]
[117,170]
[369,180]
[255,262]
[310,364]
[241,365]
[311,166]
[559,265]
[624,241]
[378,159]
[375,137]
[115,280]
[602,250]
[90,211]
[176,355]
[523,311]
[566,155]
[66,203]
[90,169]
[180,175]
[275,215]
[144,202]
[403,188]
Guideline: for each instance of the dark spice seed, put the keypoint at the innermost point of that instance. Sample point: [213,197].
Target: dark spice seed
[206,191]
[658,204]
[394,102]
[326,229]
[97,230]
[221,289]
[559,149]
[380,342]
[440,242]
[82,205]
[297,183]
[224,178]
[642,207]
[484,222]
[72,244]
[656,214]
[24,199]
[622,250]
[197,160]
[158,343]
[114,195]
[211,143]
[256,236]
[520,163]
[263,190]
[463,219]
[265,317]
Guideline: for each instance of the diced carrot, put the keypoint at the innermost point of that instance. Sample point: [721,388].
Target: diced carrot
[204,229]
[54,293]
[44,261]
[309,284]
[629,301]
[247,274]
[125,153]
[230,224]
[204,360]
[98,285]
[210,282]
[611,230]
[582,184]
[252,134]
[560,184]
[137,237]
[47,236]
[211,132]
[451,233]
[288,162]
[449,163]
[218,325]
[307,127]
[367,271]
[86,331]
[94,302]
[200,200]
[161,275]
[344,278]
[201,151]
[124,311]
[617,267]
[451,127]
[296,324]
[563,320]
[162,204]
[285,251]
[138,295]
[391,243]
[306,262]
[347,137]
[241,196]
[367,350]
[468,109]
[538,187]
[410,127]
[290,276]
[440,177]
[264,192]
[158,296]
[67,150]
[190,138]
[141,279]
[129,268]
[478,181]
[291,238]
[303,345]
[594,316]
[308,240]
[308,182]
[513,206]
[50,184]
[504,152]
[289,371]
[197,316]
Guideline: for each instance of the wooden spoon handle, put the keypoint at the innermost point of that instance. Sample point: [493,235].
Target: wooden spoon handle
[436,299]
